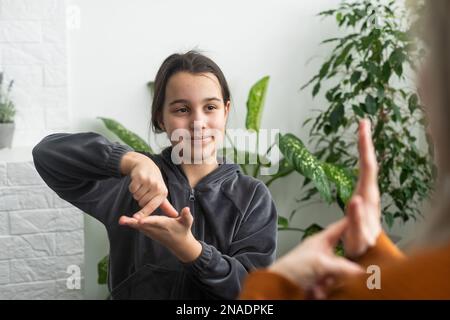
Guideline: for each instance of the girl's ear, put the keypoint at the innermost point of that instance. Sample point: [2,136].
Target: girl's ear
[227,108]
[160,122]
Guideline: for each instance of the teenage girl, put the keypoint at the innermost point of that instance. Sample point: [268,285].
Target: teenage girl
[183,224]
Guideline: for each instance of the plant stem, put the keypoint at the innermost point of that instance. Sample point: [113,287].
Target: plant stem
[291,229]
[236,153]
[255,172]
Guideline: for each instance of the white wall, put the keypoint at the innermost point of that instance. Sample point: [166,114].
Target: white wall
[33,53]
[40,235]
[119,45]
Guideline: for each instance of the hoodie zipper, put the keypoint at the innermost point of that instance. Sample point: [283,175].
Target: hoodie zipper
[192,207]
[192,195]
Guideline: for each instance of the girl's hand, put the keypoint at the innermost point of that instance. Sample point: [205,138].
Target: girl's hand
[173,233]
[313,264]
[363,210]
[147,184]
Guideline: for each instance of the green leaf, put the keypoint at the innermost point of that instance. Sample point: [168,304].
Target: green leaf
[386,71]
[397,115]
[283,222]
[314,229]
[327,13]
[151,87]
[341,58]
[357,110]
[370,105]
[396,60]
[316,89]
[336,116]
[309,82]
[389,218]
[305,163]
[339,250]
[398,69]
[342,179]
[355,77]
[284,169]
[403,176]
[102,269]
[128,137]
[255,104]
[311,230]
[324,69]
[413,102]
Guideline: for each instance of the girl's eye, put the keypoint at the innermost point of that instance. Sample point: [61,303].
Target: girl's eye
[182,110]
[211,107]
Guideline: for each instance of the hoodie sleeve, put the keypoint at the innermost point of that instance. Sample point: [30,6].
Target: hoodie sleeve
[84,169]
[253,246]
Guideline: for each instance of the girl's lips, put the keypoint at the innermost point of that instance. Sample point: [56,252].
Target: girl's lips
[202,139]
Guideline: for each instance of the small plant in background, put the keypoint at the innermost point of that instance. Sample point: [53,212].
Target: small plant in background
[7,109]
[7,113]
[128,137]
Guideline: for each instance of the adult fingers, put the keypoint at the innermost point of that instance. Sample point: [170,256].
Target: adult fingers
[368,173]
[334,232]
[338,267]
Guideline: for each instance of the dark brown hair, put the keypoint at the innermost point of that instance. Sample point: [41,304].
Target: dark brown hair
[192,62]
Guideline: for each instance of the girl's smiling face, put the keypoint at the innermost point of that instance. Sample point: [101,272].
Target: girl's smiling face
[194,113]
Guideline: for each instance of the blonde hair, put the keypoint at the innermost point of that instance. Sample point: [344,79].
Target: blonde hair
[436,230]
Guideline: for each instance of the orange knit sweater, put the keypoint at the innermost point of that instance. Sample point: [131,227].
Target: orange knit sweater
[424,275]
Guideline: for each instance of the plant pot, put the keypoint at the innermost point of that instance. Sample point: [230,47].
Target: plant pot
[6,134]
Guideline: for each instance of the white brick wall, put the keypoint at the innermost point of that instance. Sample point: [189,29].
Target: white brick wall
[33,52]
[40,236]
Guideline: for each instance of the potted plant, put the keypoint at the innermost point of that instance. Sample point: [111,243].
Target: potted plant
[7,112]
[366,76]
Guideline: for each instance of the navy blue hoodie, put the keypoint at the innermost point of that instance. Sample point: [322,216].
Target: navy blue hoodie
[234,219]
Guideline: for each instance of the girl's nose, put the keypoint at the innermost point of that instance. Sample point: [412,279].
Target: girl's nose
[198,120]
[197,125]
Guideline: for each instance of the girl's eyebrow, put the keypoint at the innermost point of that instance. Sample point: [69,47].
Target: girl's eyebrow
[188,102]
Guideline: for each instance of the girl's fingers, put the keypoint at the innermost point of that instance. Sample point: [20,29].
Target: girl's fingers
[144,223]
[153,222]
[150,207]
[186,216]
[130,222]
[146,198]
[141,193]
[134,186]
[168,209]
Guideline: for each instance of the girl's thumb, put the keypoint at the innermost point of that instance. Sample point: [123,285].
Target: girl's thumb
[186,215]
